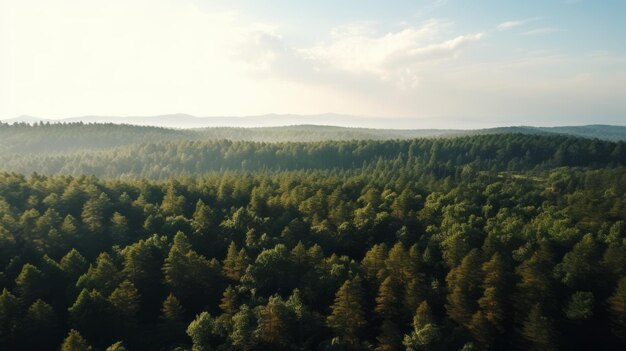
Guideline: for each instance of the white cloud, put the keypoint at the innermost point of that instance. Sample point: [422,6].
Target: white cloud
[514,24]
[357,52]
[542,30]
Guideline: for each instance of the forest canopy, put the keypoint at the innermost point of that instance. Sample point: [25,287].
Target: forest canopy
[481,242]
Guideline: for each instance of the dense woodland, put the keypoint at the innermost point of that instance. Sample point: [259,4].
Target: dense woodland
[486,242]
[24,138]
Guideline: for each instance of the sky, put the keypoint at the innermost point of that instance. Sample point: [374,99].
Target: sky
[458,63]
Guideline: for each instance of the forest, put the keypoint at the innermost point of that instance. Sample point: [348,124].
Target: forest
[165,242]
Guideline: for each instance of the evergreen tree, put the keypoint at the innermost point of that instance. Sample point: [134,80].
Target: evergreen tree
[203,218]
[75,342]
[94,213]
[104,276]
[235,262]
[348,316]
[244,324]
[229,301]
[201,332]
[464,288]
[118,346]
[273,322]
[10,318]
[493,303]
[92,314]
[40,324]
[73,265]
[398,264]
[125,299]
[374,261]
[172,310]
[426,333]
[388,301]
[617,308]
[538,330]
[30,284]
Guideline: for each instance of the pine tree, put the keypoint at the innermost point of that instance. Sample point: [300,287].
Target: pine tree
[104,276]
[464,288]
[244,324]
[125,299]
[30,284]
[389,338]
[118,346]
[173,204]
[203,218]
[538,330]
[425,331]
[40,325]
[92,314]
[578,268]
[272,322]
[119,228]
[10,316]
[201,332]
[73,264]
[348,316]
[75,342]
[229,301]
[388,301]
[617,308]
[94,213]
[172,310]
[482,330]
[398,264]
[235,262]
[493,303]
[374,261]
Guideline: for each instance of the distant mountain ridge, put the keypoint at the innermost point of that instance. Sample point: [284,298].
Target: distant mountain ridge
[276,127]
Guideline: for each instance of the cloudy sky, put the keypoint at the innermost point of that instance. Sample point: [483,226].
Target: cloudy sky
[487,62]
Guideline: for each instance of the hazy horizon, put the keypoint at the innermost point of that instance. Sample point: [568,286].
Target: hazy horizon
[442,62]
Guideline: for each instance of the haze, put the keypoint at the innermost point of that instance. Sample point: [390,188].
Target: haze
[461,64]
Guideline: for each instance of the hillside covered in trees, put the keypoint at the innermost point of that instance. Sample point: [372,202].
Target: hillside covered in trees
[38,138]
[487,242]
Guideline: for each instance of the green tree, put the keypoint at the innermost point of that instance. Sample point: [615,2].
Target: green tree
[348,315]
[228,303]
[389,299]
[94,213]
[203,218]
[40,326]
[10,317]
[464,288]
[493,302]
[273,322]
[235,262]
[201,332]
[374,261]
[30,284]
[425,333]
[104,276]
[244,324]
[538,330]
[125,299]
[118,346]
[93,315]
[75,342]
[172,310]
[73,265]
[617,308]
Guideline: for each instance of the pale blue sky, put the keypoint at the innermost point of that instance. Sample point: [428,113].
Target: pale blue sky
[476,63]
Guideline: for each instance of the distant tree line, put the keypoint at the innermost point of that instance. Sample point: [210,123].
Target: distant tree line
[441,157]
